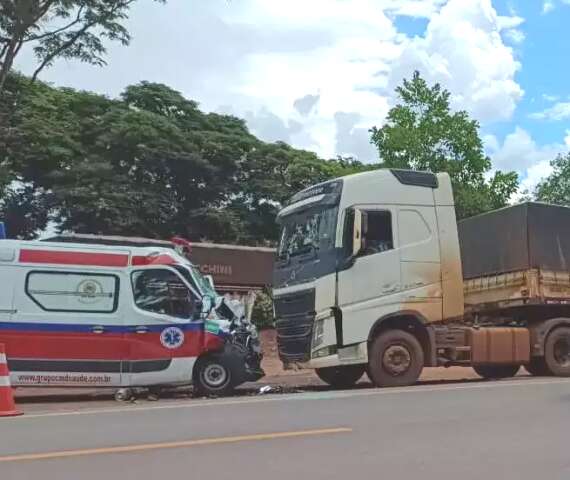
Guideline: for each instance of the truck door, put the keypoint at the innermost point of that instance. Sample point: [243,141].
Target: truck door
[369,285]
[164,340]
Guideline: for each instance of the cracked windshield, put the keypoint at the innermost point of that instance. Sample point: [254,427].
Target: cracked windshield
[308,232]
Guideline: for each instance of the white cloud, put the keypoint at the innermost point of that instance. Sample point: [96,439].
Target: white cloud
[550,98]
[515,35]
[464,51]
[269,60]
[547,6]
[520,152]
[559,111]
[414,8]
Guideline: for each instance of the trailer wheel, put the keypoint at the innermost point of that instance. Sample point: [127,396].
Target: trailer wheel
[396,359]
[341,377]
[557,352]
[213,376]
[496,371]
[537,367]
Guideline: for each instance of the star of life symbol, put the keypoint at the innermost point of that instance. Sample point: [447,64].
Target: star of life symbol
[172,337]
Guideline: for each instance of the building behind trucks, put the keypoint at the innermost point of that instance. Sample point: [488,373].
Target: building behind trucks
[118,316]
[374,274]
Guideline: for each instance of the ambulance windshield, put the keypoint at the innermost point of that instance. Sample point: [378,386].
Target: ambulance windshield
[195,277]
[203,283]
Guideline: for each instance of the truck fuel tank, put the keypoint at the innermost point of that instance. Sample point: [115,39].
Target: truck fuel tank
[499,345]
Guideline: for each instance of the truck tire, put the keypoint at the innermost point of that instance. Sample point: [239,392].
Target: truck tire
[557,352]
[213,376]
[341,377]
[537,367]
[396,359]
[496,371]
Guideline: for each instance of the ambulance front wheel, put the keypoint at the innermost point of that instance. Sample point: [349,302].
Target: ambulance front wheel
[213,376]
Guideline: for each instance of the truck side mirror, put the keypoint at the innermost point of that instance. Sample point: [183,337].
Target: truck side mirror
[359,232]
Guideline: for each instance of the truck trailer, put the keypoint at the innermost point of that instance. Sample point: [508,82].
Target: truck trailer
[374,274]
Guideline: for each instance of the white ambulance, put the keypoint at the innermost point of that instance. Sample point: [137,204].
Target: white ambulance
[96,315]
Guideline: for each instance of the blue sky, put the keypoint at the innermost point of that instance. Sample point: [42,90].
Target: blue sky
[318,74]
[544,72]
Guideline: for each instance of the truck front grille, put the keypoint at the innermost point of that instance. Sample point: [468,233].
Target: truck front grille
[295,316]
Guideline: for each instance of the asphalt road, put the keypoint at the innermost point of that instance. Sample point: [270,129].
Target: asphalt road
[516,429]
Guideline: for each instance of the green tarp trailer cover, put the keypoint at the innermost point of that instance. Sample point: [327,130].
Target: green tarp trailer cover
[521,237]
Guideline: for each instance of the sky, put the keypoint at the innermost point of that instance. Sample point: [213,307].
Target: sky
[318,74]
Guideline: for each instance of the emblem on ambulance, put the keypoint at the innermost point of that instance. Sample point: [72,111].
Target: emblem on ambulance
[90,291]
[172,337]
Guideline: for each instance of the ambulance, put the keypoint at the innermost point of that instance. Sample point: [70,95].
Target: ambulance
[118,316]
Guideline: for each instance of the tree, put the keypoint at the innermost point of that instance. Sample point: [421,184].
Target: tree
[148,163]
[422,133]
[556,187]
[70,29]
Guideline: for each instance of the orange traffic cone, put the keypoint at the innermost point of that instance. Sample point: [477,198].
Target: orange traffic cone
[7,405]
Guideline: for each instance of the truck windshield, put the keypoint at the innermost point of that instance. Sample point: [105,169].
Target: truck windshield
[308,231]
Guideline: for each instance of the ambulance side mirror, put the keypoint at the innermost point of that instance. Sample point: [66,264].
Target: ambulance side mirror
[210,280]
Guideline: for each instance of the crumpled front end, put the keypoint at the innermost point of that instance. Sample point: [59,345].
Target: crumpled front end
[238,341]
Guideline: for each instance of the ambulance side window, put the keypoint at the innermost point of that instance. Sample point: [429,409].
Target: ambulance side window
[162,291]
[60,291]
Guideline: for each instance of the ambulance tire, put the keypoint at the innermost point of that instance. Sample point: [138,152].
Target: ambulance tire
[213,376]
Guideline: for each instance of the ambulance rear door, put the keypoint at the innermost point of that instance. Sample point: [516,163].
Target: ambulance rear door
[69,326]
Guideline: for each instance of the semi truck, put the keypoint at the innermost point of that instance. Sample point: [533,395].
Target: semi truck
[374,274]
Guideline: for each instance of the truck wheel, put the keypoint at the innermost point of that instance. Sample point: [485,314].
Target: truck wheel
[341,377]
[537,367]
[496,371]
[557,352]
[396,359]
[213,376]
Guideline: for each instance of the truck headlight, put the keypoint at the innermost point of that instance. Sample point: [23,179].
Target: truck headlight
[318,333]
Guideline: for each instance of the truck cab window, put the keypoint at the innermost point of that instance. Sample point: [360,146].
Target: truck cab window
[378,232]
[162,291]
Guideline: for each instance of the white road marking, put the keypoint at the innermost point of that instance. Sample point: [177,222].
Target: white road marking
[322,395]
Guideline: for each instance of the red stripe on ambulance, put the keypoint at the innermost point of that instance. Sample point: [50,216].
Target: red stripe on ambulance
[161,259]
[74,258]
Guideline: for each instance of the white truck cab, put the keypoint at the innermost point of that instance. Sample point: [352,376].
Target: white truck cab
[357,251]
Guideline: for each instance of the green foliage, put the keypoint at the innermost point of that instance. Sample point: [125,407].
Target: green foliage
[149,163]
[556,187]
[422,133]
[70,29]
[262,315]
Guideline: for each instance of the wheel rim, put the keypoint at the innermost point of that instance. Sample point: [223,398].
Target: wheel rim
[215,375]
[396,360]
[561,351]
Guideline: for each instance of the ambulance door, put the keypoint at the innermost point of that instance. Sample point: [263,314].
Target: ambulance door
[163,337]
[70,327]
